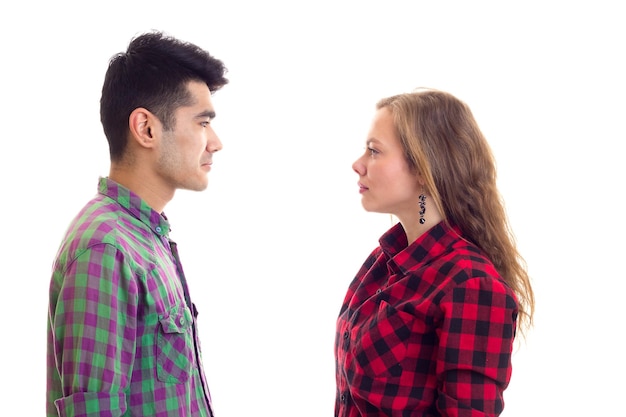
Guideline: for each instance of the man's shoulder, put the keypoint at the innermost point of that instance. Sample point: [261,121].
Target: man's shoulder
[101,234]
[98,219]
[102,221]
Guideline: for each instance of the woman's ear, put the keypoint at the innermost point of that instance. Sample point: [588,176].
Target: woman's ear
[420,180]
[141,123]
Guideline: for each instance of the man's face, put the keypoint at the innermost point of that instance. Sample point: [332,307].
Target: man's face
[186,152]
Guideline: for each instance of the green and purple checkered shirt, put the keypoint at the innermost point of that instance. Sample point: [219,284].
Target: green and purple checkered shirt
[122,338]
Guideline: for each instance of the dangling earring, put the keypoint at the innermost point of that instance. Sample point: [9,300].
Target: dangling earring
[422,199]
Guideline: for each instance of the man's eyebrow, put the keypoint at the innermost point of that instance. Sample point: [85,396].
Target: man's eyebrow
[207,113]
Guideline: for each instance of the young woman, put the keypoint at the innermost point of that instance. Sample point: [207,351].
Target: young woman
[428,323]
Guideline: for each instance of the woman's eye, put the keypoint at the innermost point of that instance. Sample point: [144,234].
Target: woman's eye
[372,151]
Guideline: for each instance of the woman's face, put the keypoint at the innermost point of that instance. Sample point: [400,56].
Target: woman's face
[386,183]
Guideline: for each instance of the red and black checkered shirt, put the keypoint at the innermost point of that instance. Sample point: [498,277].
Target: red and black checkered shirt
[425,330]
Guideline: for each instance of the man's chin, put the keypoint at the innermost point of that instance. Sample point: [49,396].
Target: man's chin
[196,186]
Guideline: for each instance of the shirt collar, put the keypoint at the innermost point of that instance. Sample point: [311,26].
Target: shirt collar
[403,257]
[137,207]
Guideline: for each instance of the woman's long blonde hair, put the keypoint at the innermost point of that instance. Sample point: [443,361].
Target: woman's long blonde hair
[443,143]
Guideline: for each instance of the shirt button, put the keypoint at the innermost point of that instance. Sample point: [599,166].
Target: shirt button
[345,335]
[342,398]
[158,229]
[181,321]
[378,291]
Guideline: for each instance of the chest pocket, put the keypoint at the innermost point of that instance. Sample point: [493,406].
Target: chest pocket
[381,342]
[175,349]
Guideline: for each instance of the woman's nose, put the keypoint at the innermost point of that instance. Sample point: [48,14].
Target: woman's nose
[358,167]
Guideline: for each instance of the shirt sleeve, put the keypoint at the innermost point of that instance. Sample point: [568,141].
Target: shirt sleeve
[476,342]
[94,326]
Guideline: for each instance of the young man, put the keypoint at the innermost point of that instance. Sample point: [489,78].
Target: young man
[122,336]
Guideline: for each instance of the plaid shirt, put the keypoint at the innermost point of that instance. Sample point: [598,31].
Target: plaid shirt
[425,330]
[122,338]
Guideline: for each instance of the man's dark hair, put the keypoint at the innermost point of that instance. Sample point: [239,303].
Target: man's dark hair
[153,73]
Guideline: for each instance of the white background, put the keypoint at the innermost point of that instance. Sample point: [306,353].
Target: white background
[271,246]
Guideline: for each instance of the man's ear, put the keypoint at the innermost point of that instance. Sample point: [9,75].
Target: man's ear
[142,124]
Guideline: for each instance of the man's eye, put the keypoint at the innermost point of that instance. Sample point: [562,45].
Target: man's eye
[205,124]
